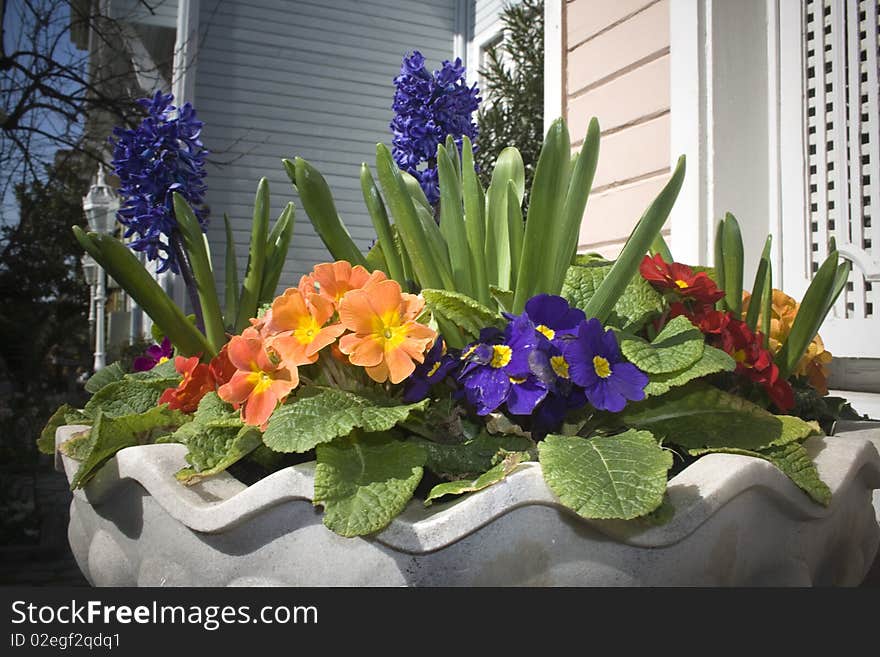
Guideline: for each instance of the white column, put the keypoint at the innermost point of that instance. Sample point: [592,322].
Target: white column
[100,320]
[722,116]
[553,45]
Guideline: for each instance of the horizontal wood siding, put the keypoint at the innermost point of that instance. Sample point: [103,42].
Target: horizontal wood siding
[312,79]
[486,13]
[617,69]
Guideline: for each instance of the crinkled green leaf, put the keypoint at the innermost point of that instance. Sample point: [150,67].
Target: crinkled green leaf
[471,457]
[461,310]
[164,375]
[713,360]
[305,422]
[215,439]
[492,476]
[212,450]
[504,298]
[78,446]
[103,376]
[699,416]
[110,434]
[676,347]
[125,397]
[622,476]
[46,441]
[635,306]
[795,463]
[77,416]
[364,481]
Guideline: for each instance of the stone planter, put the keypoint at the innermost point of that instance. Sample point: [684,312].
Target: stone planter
[738,521]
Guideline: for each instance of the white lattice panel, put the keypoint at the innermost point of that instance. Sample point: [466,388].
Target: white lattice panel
[842,38]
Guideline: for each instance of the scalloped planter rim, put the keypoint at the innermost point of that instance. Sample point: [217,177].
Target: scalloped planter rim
[738,521]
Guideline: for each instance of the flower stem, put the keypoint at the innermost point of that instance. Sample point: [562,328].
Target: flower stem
[188,279]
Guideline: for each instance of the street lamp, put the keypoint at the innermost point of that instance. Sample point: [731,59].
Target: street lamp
[100,206]
[90,274]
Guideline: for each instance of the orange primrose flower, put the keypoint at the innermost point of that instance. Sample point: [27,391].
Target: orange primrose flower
[197,382]
[385,339]
[297,326]
[333,279]
[258,384]
[814,363]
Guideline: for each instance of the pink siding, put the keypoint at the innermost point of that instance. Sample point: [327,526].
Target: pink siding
[617,69]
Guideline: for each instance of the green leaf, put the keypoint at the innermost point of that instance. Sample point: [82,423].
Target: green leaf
[759,285]
[406,218]
[195,244]
[103,376]
[120,263]
[124,397]
[463,311]
[473,456]
[317,201]
[508,168]
[678,346]
[622,476]
[46,441]
[215,439]
[277,247]
[541,242]
[635,306]
[213,449]
[700,416]
[231,288]
[452,225]
[77,447]
[732,245]
[363,482]
[568,225]
[108,435]
[379,217]
[516,230]
[795,463]
[626,267]
[307,421]
[504,298]
[249,299]
[162,375]
[475,222]
[713,360]
[492,476]
[814,306]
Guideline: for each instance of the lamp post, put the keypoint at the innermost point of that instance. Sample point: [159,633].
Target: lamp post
[90,273]
[100,206]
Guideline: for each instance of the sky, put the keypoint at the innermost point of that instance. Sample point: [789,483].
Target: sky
[16,21]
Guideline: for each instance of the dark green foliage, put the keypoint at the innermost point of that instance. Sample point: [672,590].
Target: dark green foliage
[512,88]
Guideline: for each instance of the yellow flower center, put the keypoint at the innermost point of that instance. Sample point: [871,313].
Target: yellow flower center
[307,330]
[681,283]
[164,359]
[260,380]
[559,366]
[739,355]
[500,355]
[434,368]
[548,332]
[516,380]
[602,367]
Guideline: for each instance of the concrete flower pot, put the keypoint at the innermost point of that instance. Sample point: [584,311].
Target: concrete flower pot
[738,521]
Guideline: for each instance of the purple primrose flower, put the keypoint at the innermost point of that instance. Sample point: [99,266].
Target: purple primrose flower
[154,355]
[594,362]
